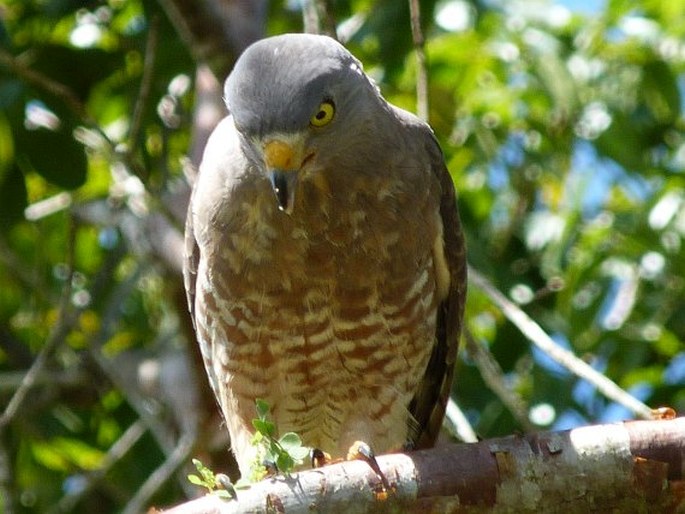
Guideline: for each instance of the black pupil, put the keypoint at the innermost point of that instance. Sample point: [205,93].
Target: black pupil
[321,114]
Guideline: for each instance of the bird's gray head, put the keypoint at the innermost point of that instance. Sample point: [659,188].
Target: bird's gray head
[297,99]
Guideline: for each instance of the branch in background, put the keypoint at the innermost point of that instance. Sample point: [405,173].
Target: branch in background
[12,380]
[317,16]
[494,378]
[70,99]
[202,35]
[539,338]
[116,452]
[457,424]
[8,490]
[635,466]
[159,477]
[45,83]
[217,31]
[145,83]
[208,110]
[114,370]
[421,72]
[67,317]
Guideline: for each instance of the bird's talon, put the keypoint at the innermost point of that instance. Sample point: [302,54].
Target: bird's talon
[319,458]
[362,451]
[270,467]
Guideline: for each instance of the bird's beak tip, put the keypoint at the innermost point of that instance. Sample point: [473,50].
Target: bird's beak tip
[284,184]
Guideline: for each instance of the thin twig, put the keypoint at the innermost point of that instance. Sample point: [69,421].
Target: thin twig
[12,380]
[8,492]
[70,99]
[18,269]
[35,78]
[317,17]
[116,452]
[421,72]
[66,319]
[145,82]
[176,459]
[135,399]
[493,376]
[457,424]
[539,338]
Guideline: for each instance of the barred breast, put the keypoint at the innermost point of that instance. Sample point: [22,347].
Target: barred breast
[329,314]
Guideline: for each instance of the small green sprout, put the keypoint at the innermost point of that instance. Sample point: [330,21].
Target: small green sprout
[282,453]
[215,483]
[274,454]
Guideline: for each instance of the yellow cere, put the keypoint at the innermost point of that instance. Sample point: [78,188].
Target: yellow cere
[278,155]
[324,114]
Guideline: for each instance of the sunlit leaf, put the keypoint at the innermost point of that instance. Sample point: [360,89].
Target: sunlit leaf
[64,453]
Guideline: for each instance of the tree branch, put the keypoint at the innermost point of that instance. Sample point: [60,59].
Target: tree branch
[539,338]
[456,423]
[145,83]
[421,72]
[45,83]
[116,452]
[176,459]
[217,31]
[494,378]
[623,467]
[67,317]
[317,17]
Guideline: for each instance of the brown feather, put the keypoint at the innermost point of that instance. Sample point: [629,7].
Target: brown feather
[430,401]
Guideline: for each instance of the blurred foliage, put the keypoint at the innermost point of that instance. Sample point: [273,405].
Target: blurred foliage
[564,134]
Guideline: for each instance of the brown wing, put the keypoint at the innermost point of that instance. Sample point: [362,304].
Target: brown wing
[430,401]
[191,258]
[191,261]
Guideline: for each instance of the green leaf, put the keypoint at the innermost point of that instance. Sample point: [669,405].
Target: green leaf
[266,428]
[290,440]
[196,480]
[292,444]
[262,408]
[206,479]
[55,155]
[201,468]
[61,453]
[13,198]
[624,143]
[224,494]
[61,62]
[285,462]
[299,453]
[660,91]
[208,476]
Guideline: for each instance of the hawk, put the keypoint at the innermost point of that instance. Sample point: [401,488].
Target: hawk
[325,260]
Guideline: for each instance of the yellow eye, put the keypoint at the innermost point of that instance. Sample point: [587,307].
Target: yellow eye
[323,115]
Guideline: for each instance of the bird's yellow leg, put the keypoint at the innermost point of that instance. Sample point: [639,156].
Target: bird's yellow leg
[362,451]
[359,450]
[320,458]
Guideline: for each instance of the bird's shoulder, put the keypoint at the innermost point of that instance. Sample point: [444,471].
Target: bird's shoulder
[222,152]
[421,135]
[412,123]
[221,164]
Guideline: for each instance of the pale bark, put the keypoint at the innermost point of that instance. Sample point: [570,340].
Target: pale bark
[627,467]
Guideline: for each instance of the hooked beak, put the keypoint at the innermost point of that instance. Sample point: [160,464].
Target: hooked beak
[283,162]
[284,184]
